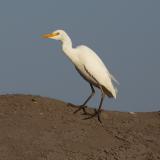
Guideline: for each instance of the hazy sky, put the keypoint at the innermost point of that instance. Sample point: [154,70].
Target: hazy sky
[124,33]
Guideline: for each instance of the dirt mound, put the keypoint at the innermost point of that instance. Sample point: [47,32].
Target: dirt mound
[37,128]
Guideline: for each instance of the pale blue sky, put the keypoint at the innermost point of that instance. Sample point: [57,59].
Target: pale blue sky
[125,34]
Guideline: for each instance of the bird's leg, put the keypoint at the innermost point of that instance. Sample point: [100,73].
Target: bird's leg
[100,105]
[85,102]
[98,112]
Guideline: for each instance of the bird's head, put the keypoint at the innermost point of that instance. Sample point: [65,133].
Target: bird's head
[57,35]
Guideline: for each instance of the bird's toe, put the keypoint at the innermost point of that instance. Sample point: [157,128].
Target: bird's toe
[80,108]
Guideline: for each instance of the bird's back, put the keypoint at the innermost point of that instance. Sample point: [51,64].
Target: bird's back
[91,63]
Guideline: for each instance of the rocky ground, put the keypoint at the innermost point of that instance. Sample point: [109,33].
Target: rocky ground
[38,128]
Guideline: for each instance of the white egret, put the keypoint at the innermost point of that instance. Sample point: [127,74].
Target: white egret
[89,66]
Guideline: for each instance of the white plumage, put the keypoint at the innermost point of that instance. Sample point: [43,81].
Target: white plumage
[95,67]
[90,67]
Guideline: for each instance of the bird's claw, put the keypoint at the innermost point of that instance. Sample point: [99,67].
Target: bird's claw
[81,107]
[96,113]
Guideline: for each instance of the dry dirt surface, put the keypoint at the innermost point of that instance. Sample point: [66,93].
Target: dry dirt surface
[38,128]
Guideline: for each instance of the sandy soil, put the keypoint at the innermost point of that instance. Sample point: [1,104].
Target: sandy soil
[37,128]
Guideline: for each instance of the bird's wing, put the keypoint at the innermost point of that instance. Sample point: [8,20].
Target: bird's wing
[96,67]
[83,47]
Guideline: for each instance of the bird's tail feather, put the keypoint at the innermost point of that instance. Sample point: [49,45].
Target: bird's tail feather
[114,79]
[110,94]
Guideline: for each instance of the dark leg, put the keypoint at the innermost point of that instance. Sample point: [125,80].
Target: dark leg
[98,112]
[83,105]
[100,105]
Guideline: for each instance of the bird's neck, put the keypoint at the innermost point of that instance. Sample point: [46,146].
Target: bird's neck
[66,44]
[67,49]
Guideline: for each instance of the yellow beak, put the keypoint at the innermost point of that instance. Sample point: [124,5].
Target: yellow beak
[49,35]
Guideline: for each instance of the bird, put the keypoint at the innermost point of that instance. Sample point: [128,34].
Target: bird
[90,67]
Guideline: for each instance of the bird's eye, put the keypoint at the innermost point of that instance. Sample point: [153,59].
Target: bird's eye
[57,33]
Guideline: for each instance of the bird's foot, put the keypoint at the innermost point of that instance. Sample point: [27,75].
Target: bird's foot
[84,110]
[96,113]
